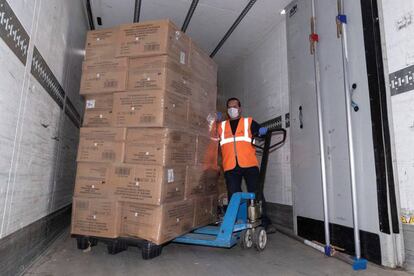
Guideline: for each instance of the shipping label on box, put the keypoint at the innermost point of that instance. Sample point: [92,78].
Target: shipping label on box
[150,109]
[153,38]
[92,180]
[158,224]
[103,76]
[101,102]
[158,73]
[148,184]
[95,217]
[101,44]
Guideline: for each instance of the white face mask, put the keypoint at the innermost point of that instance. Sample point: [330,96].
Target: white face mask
[233,112]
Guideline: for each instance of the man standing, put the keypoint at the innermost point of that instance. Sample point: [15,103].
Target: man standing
[238,153]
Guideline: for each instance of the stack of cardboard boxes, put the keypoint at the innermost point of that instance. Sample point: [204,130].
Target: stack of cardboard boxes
[147,158]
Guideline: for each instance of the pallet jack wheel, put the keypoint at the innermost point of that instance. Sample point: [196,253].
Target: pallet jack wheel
[246,239]
[260,238]
[82,242]
[150,250]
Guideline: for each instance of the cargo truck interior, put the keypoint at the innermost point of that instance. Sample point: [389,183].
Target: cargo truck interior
[337,75]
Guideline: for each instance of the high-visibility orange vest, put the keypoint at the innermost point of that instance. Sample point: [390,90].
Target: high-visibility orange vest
[238,146]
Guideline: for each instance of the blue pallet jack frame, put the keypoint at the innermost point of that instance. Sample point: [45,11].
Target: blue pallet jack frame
[241,222]
[228,232]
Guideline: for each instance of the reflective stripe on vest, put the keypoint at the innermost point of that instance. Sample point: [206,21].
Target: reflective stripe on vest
[236,149]
[244,138]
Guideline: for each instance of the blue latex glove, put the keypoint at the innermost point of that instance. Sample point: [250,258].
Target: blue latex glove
[262,131]
[219,116]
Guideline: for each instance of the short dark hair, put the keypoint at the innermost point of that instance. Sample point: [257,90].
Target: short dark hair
[233,99]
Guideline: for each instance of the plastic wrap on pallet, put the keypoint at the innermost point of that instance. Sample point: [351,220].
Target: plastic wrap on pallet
[158,224]
[149,145]
[159,73]
[159,108]
[205,210]
[147,184]
[160,146]
[201,64]
[202,105]
[201,180]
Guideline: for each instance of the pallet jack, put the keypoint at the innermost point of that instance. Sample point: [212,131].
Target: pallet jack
[242,221]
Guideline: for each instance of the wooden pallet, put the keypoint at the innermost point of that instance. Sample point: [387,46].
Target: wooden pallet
[149,250]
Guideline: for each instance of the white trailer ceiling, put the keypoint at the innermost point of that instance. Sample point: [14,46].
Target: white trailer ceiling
[211,20]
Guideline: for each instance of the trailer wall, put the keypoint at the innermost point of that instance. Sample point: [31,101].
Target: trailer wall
[41,50]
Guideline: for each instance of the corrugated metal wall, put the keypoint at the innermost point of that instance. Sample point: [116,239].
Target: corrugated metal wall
[38,136]
[399,43]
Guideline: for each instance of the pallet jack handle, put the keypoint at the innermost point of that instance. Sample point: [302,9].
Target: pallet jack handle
[265,156]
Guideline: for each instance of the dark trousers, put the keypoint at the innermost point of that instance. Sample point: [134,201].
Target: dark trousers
[251,176]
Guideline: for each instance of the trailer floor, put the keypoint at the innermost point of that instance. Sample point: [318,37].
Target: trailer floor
[283,256]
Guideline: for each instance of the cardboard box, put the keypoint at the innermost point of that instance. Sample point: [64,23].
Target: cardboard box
[95,217]
[205,210]
[158,224]
[101,145]
[97,118]
[103,76]
[202,65]
[159,73]
[207,150]
[101,102]
[148,184]
[153,38]
[201,180]
[92,180]
[101,44]
[159,146]
[103,133]
[98,110]
[150,109]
